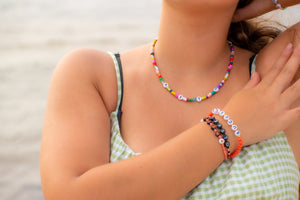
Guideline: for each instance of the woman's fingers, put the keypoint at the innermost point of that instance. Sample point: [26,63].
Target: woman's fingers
[291,94]
[278,66]
[286,75]
[255,79]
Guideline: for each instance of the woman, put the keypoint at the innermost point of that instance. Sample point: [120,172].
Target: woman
[126,137]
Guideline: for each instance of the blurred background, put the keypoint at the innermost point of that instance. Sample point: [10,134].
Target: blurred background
[34,36]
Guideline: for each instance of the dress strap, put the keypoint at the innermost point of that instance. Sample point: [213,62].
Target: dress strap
[119,75]
[252,65]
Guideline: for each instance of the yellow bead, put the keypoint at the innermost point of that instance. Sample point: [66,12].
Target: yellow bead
[173,93]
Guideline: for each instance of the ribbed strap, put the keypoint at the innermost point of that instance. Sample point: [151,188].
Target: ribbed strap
[119,76]
[252,65]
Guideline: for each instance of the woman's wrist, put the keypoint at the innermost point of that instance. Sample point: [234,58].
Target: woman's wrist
[231,136]
[225,131]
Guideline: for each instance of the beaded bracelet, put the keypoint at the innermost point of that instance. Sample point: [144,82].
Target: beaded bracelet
[278,5]
[233,127]
[219,133]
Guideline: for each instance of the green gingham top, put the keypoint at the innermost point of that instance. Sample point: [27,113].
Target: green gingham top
[266,170]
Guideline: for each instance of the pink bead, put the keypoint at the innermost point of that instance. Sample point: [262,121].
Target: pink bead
[176,95]
[230,67]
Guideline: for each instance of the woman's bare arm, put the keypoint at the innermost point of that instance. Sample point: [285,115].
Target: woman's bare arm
[75,142]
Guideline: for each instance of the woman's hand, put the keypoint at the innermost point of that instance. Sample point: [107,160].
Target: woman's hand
[262,110]
[259,7]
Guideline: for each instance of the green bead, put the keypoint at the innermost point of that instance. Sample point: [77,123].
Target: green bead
[213,92]
[161,79]
[191,100]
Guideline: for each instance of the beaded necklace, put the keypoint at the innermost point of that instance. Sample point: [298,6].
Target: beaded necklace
[199,98]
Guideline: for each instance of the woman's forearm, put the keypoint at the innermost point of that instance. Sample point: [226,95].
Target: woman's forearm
[178,165]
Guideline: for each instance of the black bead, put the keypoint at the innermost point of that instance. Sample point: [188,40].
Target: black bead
[212,128]
[227,144]
[204,119]
[225,137]
[217,134]
[219,126]
[216,121]
[211,118]
[222,131]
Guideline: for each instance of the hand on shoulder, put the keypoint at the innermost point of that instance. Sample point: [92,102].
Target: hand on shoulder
[265,61]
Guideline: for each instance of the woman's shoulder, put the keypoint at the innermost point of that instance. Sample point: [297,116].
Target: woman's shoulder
[90,68]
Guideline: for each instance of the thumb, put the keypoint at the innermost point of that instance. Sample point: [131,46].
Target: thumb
[255,79]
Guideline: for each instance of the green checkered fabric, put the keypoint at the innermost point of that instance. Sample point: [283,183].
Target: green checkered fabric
[266,170]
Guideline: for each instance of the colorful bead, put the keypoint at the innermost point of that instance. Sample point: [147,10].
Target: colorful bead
[234,127]
[230,122]
[227,144]
[278,5]
[221,141]
[226,117]
[196,99]
[222,113]
[236,133]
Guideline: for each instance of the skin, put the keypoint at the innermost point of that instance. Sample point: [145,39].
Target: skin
[83,92]
[258,7]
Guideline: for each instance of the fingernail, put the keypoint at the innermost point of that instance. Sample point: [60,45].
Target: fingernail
[289,46]
[252,75]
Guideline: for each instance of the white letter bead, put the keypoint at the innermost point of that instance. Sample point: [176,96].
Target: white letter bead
[180,97]
[165,85]
[221,141]
[218,110]
[226,117]
[237,133]
[234,127]
[199,99]
[230,122]
[222,113]
[214,111]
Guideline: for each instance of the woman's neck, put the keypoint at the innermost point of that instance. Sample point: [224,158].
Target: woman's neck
[193,41]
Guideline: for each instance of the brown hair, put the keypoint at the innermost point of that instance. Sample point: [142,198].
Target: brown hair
[251,35]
